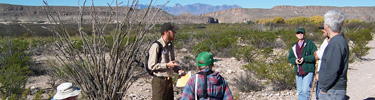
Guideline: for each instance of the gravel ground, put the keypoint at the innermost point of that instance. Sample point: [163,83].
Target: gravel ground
[361,80]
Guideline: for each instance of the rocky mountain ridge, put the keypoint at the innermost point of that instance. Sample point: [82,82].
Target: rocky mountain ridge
[194,9]
[37,14]
[242,15]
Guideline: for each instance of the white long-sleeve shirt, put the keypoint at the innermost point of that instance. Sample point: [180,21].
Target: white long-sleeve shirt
[321,51]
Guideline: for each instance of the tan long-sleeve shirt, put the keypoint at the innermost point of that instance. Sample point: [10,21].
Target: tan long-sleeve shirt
[159,66]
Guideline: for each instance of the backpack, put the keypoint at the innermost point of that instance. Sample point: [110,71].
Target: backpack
[147,55]
[204,94]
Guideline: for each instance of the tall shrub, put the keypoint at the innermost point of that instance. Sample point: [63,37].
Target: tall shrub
[102,73]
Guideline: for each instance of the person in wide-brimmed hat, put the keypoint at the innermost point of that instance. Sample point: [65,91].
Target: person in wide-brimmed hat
[66,91]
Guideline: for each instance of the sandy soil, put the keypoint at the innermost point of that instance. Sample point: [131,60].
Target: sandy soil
[361,77]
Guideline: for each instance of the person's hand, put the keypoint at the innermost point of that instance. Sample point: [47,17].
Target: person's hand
[180,72]
[297,62]
[301,60]
[316,55]
[317,77]
[172,64]
[323,92]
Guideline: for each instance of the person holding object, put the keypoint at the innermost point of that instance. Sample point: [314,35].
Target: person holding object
[335,59]
[206,84]
[301,55]
[162,64]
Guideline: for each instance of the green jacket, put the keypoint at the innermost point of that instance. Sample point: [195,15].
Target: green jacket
[308,64]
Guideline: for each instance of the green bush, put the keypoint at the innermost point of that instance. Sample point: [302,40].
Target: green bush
[38,95]
[14,65]
[360,38]
[247,53]
[278,71]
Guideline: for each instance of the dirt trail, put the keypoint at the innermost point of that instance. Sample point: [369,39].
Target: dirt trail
[361,77]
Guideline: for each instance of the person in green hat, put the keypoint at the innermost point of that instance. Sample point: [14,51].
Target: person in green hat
[206,84]
[301,55]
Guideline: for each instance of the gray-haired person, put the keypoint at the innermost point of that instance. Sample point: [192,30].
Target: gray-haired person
[334,66]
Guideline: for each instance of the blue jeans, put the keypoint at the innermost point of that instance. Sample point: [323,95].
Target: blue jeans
[317,90]
[303,85]
[333,94]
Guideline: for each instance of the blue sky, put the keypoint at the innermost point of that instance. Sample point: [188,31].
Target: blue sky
[242,3]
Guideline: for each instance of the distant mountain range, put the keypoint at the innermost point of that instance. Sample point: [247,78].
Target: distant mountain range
[189,14]
[194,9]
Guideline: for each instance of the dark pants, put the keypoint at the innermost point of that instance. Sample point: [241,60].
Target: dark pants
[162,89]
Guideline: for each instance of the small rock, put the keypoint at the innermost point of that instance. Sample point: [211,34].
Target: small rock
[184,50]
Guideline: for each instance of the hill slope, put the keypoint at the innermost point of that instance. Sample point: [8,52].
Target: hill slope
[241,15]
[37,14]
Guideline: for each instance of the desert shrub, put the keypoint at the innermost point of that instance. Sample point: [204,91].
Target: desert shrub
[182,40]
[261,39]
[250,22]
[202,46]
[78,44]
[355,20]
[246,53]
[287,37]
[264,21]
[280,20]
[14,65]
[247,83]
[317,19]
[298,20]
[25,93]
[278,71]
[360,38]
[38,95]
[215,42]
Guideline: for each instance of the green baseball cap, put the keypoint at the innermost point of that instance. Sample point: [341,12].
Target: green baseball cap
[300,30]
[205,59]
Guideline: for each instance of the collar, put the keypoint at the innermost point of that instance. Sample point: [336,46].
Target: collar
[163,42]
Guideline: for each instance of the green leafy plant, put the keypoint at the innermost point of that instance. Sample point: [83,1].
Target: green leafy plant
[277,71]
[14,65]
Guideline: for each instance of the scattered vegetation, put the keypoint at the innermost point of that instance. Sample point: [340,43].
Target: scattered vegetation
[14,67]
[262,44]
[247,83]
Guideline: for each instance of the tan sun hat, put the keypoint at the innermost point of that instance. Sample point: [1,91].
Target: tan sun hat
[66,90]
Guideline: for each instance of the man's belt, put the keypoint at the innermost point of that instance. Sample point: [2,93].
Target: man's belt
[162,77]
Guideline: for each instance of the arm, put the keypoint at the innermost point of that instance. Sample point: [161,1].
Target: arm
[330,67]
[188,91]
[292,58]
[321,49]
[153,58]
[227,93]
[310,58]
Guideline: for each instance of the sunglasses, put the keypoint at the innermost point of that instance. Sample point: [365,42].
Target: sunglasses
[299,33]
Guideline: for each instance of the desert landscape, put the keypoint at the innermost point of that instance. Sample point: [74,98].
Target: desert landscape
[250,44]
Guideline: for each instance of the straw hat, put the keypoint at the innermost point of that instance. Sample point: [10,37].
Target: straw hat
[66,90]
